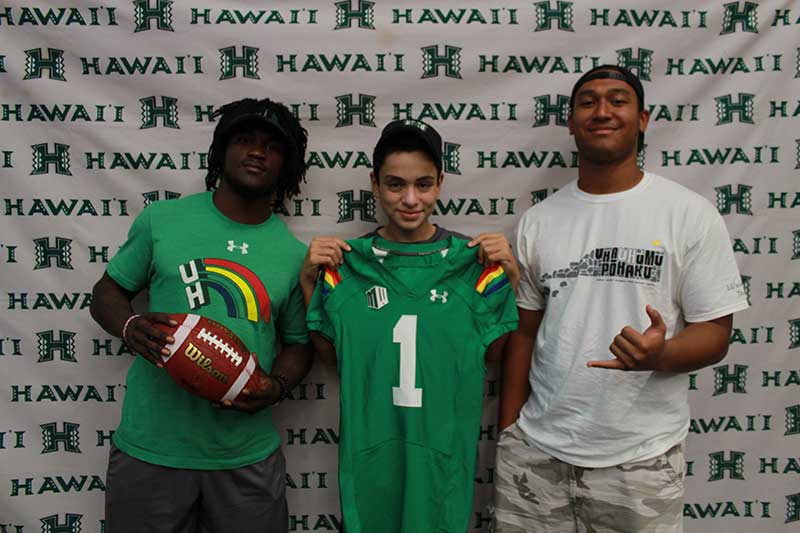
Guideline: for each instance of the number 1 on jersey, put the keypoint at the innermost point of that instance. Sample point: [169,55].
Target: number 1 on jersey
[405,334]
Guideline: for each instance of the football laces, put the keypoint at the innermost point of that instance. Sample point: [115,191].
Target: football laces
[221,346]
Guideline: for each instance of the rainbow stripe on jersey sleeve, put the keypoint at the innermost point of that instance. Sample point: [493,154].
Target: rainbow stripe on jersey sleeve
[492,279]
[329,280]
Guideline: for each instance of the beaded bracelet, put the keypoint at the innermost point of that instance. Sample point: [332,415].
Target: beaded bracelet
[125,327]
[283,384]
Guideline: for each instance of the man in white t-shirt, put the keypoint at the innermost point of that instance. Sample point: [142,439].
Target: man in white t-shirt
[628,283]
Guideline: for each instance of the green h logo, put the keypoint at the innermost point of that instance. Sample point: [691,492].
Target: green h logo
[247,62]
[719,465]
[364,110]
[451,158]
[35,63]
[641,65]
[155,196]
[167,111]
[561,14]
[793,420]
[432,61]
[794,333]
[144,14]
[71,524]
[797,141]
[48,345]
[641,156]
[747,19]
[726,108]
[746,287]
[363,13]
[43,160]
[793,507]
[52,438]
[796,244]
[544,108]
[796,70]
[348,205]
[538,196]
[725,379]
[742,199]
[45,254]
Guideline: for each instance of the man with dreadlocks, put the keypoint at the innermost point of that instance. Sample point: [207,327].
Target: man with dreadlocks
[178,463]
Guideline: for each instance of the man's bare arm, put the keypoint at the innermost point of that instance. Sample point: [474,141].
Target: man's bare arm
[514,385]
[111,308]
[698,345]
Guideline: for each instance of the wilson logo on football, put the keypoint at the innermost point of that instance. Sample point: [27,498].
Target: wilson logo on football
[196,356]
[212,362]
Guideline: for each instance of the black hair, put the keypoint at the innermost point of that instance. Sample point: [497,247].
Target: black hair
[293,170]
[402,142]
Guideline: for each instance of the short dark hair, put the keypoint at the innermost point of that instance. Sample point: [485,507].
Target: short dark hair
[402,142]
[293,170]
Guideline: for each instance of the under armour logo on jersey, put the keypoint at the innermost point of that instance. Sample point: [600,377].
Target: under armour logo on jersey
[377,297]
[241,247]
[440,297]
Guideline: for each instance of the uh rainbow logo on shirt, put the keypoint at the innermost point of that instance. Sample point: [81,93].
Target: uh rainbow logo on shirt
[241,290]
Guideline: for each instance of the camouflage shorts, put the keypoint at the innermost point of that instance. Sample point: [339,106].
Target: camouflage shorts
[536,492]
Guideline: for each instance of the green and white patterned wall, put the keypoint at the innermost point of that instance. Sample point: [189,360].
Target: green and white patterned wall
[106,106]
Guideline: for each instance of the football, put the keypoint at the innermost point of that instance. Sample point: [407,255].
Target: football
[207,359]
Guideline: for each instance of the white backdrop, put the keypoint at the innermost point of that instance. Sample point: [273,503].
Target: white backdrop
[106,106]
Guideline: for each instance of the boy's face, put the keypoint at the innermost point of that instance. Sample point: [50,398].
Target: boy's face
[407,189]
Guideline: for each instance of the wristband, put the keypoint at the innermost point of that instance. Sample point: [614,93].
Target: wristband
[283,385]
[125,327]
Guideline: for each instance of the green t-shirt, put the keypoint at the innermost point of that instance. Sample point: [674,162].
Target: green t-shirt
[410,324]
[193,259]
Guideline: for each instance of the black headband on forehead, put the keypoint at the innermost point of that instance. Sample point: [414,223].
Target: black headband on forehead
[610,72]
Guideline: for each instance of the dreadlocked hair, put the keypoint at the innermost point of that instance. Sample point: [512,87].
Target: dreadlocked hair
[293,170]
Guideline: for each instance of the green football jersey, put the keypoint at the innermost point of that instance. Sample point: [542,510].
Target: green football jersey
[411,324]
